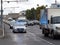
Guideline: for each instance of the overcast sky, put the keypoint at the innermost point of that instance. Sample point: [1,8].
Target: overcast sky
[24,5]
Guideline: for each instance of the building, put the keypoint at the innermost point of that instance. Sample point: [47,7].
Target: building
[55,5]
[15,15]
[12,15]
[22,13]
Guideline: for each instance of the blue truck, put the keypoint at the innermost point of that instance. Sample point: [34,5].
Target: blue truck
[50,22]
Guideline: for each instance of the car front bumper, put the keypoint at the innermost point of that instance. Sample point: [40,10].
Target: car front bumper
[19,30]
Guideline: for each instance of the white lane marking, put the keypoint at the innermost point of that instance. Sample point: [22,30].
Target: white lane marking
[42,39]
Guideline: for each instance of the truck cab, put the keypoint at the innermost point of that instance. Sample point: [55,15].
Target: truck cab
[50,22]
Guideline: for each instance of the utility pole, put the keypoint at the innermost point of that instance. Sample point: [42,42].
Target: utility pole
[1,14]
[1,21]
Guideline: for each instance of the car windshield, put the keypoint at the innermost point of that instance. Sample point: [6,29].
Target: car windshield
[21,21]
[18,24]
[9,19]
[56,20]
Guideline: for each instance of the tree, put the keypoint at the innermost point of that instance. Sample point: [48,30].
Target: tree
[32,13]
[28,14]
[38,9]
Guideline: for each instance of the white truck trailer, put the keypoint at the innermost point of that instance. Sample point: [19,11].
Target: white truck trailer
[50,22]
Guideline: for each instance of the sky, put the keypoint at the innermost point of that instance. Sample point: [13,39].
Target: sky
[9,7]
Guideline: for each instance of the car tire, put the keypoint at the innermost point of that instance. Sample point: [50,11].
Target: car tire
[53,36]
[42,30]
[32,24]
[46,35]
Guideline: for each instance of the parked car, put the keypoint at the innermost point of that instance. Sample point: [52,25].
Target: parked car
[9,20]
[22,21]
[19,27]
[11,24]
[36,22]
[30,23]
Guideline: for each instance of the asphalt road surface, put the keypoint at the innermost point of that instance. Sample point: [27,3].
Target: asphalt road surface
[33,36]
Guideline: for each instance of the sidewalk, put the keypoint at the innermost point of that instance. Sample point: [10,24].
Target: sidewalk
[7,39]
[1,32]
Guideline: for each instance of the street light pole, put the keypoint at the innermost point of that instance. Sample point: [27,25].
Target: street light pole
[1,21]
[1,13]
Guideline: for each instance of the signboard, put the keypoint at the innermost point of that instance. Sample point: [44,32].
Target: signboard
[43,19]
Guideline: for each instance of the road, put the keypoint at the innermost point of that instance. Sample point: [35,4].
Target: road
[33,36]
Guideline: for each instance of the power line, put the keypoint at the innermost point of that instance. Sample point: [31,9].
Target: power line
[16,1]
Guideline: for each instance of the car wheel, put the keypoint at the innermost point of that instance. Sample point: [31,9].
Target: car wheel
[28,25]
[46,35]
[53,36]
[32,24]
[37,23]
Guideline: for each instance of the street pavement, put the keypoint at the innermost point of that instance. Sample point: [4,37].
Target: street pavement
[33,36]
[38,32]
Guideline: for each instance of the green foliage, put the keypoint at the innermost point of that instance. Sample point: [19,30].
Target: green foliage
[38,9]
[34,13]
[28,14]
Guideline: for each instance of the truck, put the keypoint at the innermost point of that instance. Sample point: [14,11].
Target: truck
[50,22]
